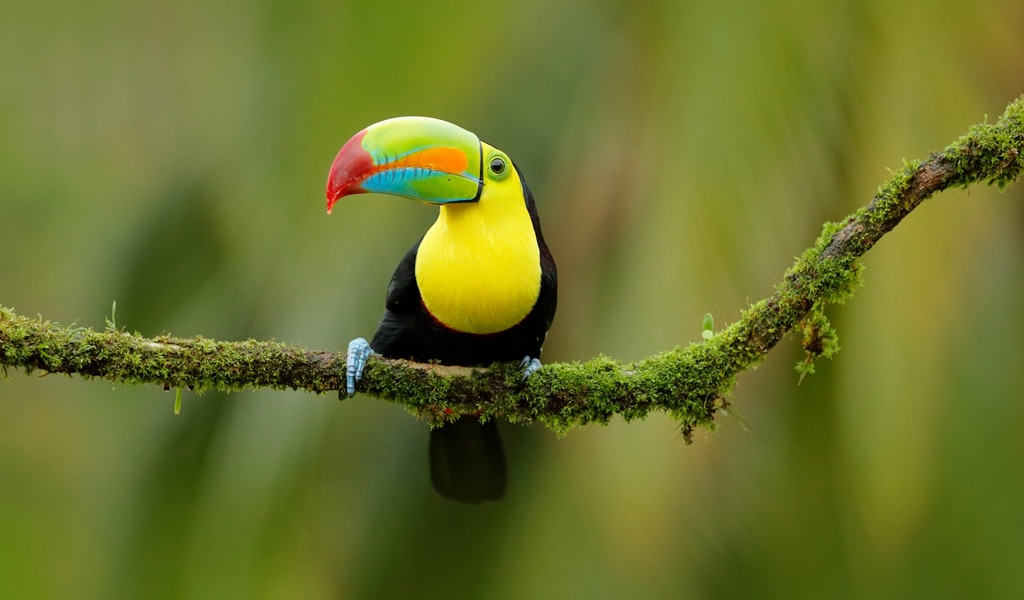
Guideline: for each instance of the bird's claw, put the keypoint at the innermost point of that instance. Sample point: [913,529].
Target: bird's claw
[529,366]
[358,351]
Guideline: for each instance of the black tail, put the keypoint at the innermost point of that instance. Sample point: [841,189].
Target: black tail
[467,463]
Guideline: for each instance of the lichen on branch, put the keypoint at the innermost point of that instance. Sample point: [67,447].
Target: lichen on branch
[689,383]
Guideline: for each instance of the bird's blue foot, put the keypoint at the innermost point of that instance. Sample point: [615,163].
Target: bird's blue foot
[530,366]
[358,351]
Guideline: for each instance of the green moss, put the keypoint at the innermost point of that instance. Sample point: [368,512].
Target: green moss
[819,339]
[990,153]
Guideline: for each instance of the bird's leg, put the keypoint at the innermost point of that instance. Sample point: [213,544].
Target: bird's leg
[358,351]
[530,366]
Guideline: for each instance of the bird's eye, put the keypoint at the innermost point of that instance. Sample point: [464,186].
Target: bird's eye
[498,166]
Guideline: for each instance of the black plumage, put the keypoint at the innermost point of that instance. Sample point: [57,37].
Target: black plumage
[466,457]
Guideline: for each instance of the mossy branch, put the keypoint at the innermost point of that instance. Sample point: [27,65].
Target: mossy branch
[689,383]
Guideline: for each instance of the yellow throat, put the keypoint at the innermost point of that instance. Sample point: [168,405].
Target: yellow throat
[478,266]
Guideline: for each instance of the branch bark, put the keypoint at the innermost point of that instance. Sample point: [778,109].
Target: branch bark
[689,383]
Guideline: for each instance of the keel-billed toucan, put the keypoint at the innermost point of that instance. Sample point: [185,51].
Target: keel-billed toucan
[479,287]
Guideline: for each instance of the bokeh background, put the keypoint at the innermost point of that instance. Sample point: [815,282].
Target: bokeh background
[171,157]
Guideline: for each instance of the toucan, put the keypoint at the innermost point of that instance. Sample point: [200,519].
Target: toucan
[479,287]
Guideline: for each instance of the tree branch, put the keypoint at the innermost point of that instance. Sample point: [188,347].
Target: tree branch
[689,383]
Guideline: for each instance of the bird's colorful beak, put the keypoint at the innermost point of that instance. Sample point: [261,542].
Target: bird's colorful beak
[420,158]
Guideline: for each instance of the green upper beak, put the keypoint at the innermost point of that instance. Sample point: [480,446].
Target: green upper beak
[419,158]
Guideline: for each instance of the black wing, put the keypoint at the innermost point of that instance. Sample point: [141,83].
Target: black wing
[404,314]
[540,318]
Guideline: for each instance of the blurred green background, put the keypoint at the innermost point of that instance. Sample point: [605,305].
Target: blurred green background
[171,157]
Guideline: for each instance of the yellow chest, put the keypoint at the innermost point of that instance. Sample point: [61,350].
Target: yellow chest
[478,267]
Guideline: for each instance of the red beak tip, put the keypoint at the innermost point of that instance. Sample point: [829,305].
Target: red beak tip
[350,166]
